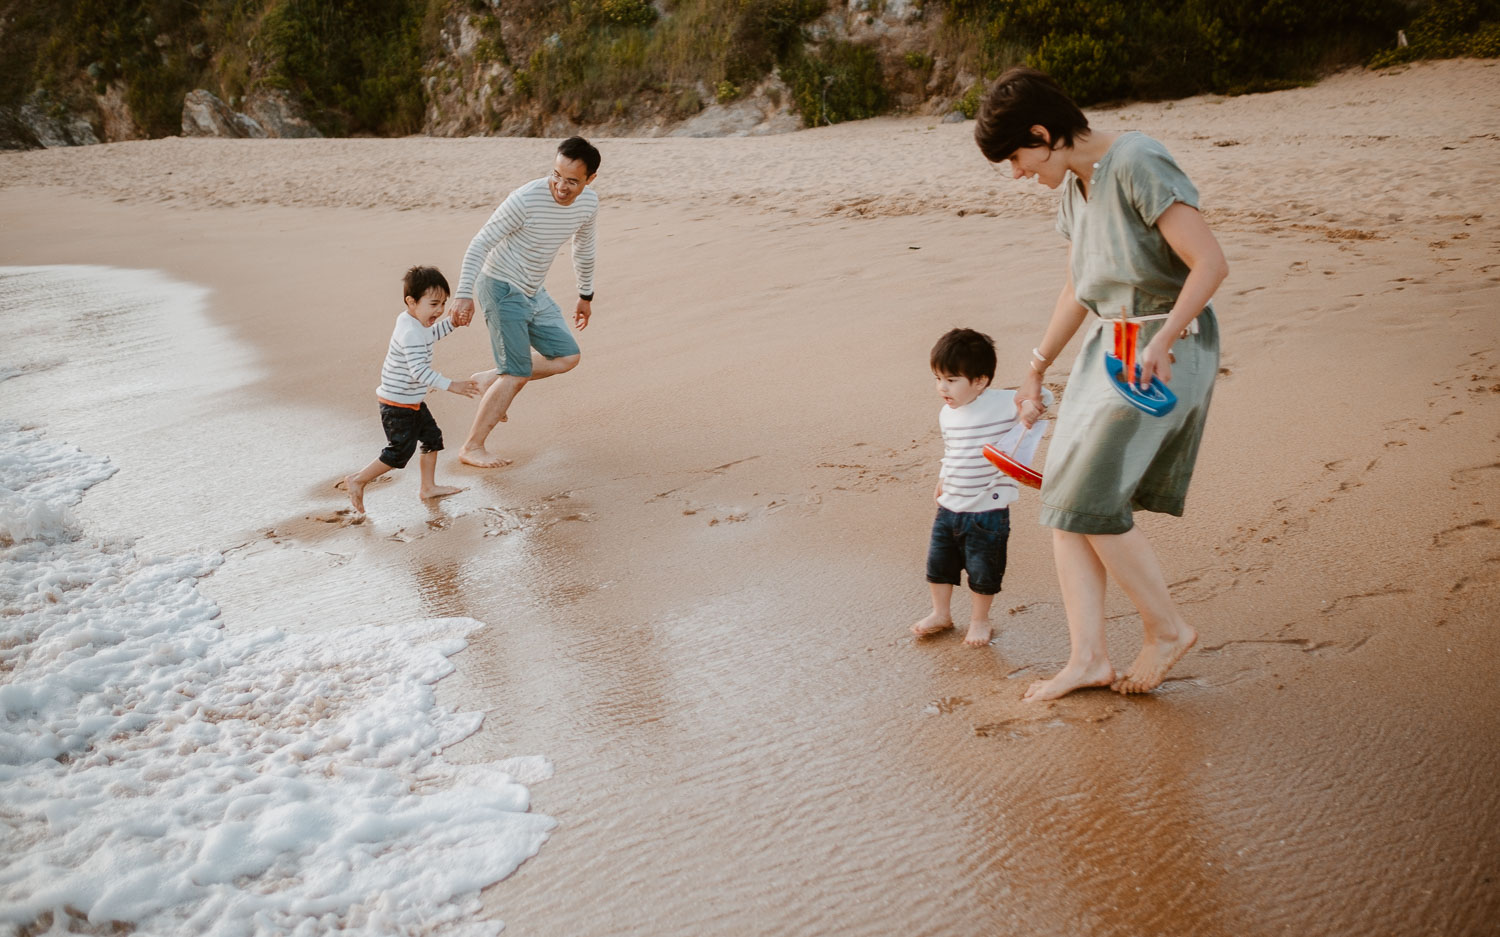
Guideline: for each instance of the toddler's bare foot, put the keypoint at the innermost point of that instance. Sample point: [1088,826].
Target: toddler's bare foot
[480,457]
[931,625]
[1068,679]
[356,492]
[979,633]
[1156,658]
[439,491]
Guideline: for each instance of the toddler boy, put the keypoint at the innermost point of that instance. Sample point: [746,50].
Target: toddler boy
[405,378]
[973,515]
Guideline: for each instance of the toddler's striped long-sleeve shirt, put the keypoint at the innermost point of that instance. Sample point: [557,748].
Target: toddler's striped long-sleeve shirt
[970,482]
[407,373]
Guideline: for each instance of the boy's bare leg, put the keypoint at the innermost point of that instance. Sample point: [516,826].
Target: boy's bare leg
[356,483]
[1081,576]
[1130,559]
[495,404]
[979,620]
[941,618]
[430,487]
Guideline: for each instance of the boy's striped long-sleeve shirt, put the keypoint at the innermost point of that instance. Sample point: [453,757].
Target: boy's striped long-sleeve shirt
[970,482]
[407,373]
[521,239]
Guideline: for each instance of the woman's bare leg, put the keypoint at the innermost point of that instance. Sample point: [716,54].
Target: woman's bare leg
[1081,576]
[1130,560]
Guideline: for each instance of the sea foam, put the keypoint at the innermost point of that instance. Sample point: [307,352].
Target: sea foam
[158,770]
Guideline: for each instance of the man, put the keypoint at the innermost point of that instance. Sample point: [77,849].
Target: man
[504,269]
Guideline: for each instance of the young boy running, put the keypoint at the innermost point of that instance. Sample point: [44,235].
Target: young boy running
[405,378]
[972,525]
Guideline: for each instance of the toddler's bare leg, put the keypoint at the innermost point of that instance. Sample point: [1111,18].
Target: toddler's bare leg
[356,483]
[941,618]
[979,620]
[430,487]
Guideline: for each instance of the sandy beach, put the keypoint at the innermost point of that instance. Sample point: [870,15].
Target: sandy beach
[696,578]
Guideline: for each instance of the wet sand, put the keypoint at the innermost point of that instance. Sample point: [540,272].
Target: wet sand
[699,573]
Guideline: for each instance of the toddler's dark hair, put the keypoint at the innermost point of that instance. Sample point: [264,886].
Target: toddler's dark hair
[419,280]
[964,353]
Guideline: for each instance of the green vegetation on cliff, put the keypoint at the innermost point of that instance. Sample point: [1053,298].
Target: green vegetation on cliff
[376,66]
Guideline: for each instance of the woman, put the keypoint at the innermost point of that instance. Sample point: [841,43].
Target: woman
[1139,248]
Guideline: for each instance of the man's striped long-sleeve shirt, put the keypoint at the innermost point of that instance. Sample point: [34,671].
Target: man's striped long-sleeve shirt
[521,239]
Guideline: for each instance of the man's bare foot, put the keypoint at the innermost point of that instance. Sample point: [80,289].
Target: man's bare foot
[931,625]
[979,633]
[480,457]
[356,492]
[1068,679]
[438,491]
[1156,658]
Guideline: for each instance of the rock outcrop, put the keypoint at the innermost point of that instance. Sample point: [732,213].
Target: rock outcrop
[204,115]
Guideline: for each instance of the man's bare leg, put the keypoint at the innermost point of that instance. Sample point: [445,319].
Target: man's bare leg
[941,618]
[430,488]
[495,404]
[979,620]
[356,483]
[1081,576]
[1131,561]
[484,379]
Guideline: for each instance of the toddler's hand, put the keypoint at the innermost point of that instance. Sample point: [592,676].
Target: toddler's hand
[1030,411]
[465,388]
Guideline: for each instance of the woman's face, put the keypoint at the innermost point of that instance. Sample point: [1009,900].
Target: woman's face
[1041,163]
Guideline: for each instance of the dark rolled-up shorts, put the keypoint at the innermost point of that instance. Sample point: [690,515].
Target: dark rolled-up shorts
[404,428]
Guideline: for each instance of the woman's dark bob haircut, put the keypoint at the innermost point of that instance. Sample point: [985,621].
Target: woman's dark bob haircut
[1019,100]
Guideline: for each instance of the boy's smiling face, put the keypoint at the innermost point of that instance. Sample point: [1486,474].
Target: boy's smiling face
[429,308]
[958,391]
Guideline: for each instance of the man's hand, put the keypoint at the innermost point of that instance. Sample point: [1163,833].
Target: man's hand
[464,388]
[461,311]
[581,315]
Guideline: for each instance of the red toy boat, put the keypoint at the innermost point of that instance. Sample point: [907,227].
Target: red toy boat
[1024,474]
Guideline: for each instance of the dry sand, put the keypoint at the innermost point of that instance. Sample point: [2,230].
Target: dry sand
[699,572]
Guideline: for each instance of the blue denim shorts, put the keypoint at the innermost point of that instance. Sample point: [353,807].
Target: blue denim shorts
[973,541]
[519,323]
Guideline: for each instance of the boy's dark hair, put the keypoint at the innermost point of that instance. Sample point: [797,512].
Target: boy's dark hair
[1019,100]
[964,353]
[582,150]
[419,280]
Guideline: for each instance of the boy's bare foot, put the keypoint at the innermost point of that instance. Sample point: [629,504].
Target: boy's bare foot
[438,491]
[1068,679]
[480,457]
[931,625]
[356,492]
[979,633]
[1156,658]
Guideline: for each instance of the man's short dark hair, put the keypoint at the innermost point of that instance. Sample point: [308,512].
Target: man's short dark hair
[964,353]
[1020,99]
[582,150]
[419,280]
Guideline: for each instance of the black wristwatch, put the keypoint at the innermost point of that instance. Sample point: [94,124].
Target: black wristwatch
[586,297]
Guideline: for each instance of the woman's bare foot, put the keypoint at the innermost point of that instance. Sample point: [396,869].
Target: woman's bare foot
[439,491]
[356,493]
[480,457]
[979,633]
[1156,658]
[1068,679]
[931,625]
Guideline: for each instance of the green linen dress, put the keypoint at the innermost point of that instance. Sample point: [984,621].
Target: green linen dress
[1109,459]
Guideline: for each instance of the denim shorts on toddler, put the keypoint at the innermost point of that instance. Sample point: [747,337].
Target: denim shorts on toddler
[972,541]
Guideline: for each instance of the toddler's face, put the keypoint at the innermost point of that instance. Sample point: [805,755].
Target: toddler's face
[957,391]
[429,308]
